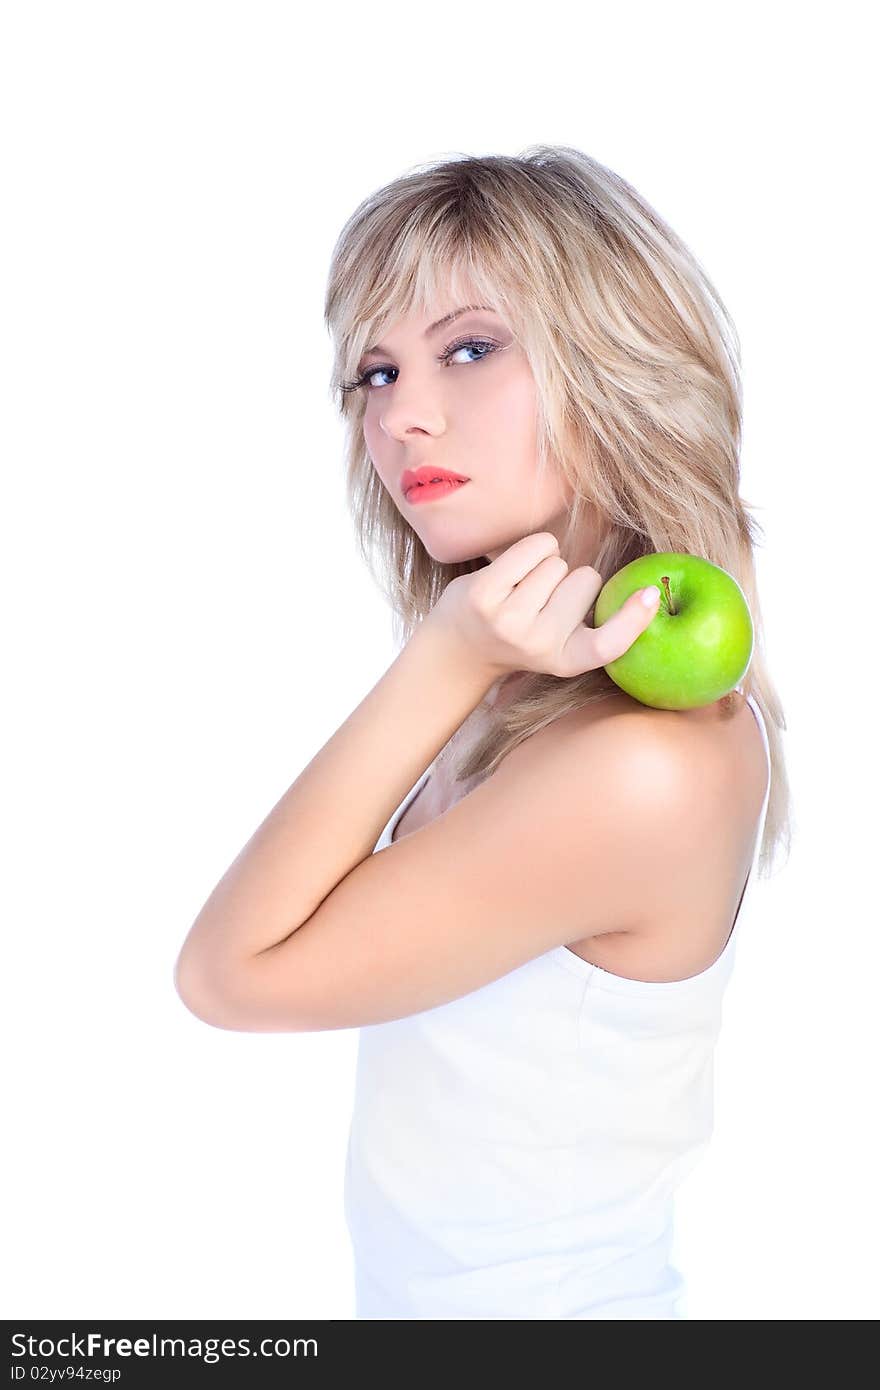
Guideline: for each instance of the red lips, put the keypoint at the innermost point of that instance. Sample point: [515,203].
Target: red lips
[427,474]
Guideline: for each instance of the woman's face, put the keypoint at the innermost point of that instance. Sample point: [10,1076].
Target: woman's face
[473,413]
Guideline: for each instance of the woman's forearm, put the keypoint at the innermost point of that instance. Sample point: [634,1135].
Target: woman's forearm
[329,819]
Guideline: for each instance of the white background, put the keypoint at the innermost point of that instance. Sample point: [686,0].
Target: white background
[187,620]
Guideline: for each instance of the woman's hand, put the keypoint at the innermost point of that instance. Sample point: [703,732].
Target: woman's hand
[525,612]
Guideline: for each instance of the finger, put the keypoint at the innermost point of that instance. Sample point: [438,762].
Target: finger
[532,593]
[567,606]
[516,562]
[589,648]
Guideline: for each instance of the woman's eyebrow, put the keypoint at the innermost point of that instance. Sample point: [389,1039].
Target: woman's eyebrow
[441,323]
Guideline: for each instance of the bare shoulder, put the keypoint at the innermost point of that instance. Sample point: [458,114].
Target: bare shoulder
[678,749]
[704,772]
[719,744]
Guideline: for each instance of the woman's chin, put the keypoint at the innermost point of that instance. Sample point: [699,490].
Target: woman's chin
[452,554]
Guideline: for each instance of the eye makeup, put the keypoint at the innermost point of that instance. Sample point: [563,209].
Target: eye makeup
[486,345]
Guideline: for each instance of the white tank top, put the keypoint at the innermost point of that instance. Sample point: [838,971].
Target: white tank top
[514,1153]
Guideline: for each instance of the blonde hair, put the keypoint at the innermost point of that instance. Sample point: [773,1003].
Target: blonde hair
[637,367]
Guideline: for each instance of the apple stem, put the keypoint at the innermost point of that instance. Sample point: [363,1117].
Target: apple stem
[664,580]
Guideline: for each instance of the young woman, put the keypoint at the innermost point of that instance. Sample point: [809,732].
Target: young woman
[537,953]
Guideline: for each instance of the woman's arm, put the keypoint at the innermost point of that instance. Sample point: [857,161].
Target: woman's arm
[247,961]
[586,827]
[329,819]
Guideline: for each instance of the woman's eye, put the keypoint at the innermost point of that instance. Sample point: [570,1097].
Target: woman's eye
[480,344]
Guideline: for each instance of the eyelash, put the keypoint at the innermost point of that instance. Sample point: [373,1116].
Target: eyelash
[444,356]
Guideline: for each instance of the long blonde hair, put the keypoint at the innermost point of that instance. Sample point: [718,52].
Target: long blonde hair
[636,361]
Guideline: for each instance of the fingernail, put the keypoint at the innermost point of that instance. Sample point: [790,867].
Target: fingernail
[650,596]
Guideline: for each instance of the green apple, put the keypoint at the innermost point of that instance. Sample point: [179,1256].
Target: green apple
[697,646]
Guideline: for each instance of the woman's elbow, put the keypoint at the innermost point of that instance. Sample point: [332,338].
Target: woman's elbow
[194,993]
